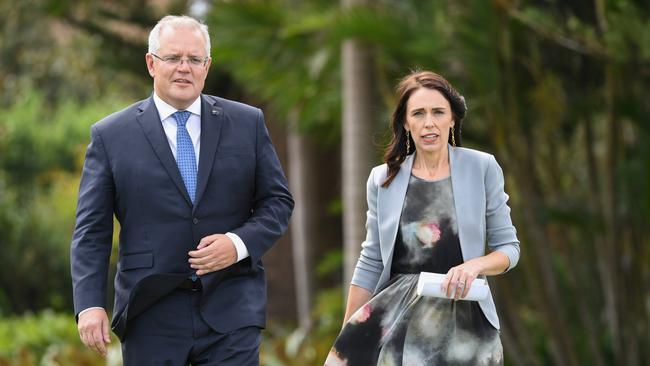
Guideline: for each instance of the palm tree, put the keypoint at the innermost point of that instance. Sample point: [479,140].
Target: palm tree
[275,51]
[358,118]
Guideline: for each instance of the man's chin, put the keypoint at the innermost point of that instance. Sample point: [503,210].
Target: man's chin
[184,100]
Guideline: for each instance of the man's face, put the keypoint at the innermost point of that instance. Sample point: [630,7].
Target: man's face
[181,83]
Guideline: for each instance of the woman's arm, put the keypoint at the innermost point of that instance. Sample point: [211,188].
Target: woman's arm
[501,237]
[369,266]
[357,296]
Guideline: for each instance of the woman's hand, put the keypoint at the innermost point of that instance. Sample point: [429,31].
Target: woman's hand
[459,279]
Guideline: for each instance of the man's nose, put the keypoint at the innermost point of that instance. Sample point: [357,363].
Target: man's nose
[184,65]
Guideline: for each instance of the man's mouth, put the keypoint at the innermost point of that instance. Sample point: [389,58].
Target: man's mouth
[182,81]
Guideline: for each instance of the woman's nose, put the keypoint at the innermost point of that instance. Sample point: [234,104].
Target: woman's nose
[429,121]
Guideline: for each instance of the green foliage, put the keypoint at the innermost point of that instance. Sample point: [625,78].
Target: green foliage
[38,50]
[283,346]
[332,262]
[280,51]
[46,338]
[41,152]
[287,53]
[38,140]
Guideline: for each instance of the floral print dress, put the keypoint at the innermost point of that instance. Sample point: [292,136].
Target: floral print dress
[398,327]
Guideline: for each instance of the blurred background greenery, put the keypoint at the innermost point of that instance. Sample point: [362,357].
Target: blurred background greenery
[557,90]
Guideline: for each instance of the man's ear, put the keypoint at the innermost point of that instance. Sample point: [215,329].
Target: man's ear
[150,64]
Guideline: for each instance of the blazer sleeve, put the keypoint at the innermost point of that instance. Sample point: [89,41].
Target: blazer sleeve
[369,266]
[271,203]
[501,234]
[93,234]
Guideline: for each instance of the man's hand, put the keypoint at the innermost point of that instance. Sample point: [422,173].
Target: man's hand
[93,330]
[213,253]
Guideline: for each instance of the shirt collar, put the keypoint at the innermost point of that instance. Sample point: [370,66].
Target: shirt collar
[165,110]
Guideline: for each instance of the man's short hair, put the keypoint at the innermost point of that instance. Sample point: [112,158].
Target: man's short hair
[177,21]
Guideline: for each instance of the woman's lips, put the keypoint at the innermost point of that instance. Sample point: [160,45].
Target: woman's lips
[431,137]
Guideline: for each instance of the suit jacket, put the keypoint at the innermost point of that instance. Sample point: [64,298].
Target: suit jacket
[130,172]
[482,214]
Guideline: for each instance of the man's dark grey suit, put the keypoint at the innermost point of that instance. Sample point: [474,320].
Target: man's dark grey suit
[130,172]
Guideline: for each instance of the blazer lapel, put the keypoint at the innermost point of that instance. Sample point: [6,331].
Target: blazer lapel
[149,120]
[458,178]
[389,208]
[211,122]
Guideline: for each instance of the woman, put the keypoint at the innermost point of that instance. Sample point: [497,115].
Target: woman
[432,207]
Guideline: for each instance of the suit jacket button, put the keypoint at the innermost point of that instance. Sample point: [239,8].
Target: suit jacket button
[195,221]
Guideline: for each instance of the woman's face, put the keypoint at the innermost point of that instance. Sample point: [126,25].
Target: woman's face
[428,118]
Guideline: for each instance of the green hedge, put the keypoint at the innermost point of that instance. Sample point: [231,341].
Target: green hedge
[43,339]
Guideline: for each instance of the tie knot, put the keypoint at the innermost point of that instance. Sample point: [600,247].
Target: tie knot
[181,117]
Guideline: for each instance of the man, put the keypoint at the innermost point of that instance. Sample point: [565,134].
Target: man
[200,196]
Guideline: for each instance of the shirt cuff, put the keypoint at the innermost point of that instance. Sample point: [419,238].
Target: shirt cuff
[242,251]
[91,308]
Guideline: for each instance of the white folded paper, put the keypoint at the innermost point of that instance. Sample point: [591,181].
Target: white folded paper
[430,284]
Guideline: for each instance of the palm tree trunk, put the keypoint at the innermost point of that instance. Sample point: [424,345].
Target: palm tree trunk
[356,154]
[609,202]
[302,223]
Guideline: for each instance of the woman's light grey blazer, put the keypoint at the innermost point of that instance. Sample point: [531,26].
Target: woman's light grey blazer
[482,214]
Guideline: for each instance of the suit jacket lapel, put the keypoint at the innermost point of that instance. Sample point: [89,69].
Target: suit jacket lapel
[149,120]
[211,122]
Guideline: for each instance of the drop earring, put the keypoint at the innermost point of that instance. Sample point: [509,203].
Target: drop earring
[408,142]
[453,138]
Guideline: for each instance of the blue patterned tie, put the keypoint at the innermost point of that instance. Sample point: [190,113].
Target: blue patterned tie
[185,157]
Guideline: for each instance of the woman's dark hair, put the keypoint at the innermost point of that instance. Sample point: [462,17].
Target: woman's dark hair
[396,151]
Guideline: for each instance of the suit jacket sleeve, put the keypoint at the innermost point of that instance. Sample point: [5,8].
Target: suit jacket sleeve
[92,239]
[272,203]
[369,266]
[501,235]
